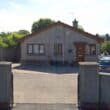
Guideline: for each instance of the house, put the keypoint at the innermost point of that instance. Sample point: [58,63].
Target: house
[60,42]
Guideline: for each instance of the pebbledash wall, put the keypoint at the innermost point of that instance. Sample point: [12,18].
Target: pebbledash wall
[58,34]
[93,87]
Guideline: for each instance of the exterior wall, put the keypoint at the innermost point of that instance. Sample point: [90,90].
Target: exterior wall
[91,58]
[57,34]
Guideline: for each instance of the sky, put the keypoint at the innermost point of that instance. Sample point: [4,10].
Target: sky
[93,15]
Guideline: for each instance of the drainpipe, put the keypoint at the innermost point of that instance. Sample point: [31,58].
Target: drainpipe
[64,47]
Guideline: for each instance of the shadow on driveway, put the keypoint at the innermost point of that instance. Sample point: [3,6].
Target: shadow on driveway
[48,68]
[44,106]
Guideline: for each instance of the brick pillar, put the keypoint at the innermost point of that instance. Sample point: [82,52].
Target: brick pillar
[88,86]
[6,85]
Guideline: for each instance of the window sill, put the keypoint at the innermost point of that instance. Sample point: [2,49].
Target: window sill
[91,55]
[58,55]
[36,54]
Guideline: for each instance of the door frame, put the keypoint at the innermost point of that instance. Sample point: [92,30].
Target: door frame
[82,46]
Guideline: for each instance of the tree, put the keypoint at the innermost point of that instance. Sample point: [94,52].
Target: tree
[2,43]
[41,23]
[80,28]
[25,32]
[12,39]
[106,47]
[4,34]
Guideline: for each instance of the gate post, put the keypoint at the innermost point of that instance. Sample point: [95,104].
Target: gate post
[88,86]
[6,85]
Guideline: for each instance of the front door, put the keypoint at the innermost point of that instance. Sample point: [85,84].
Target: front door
[80,52]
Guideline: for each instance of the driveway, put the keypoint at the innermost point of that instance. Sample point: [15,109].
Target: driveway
[46,86]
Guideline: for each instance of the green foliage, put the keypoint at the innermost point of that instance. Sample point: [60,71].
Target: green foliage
[3,34]
[11,39]
[80,28]
[2,43]
[106,47]
[41,23]
[25,32]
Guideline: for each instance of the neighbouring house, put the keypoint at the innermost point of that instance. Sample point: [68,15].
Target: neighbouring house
[106,37]
[60,42]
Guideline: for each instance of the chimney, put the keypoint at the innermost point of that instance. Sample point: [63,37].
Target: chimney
[75,23]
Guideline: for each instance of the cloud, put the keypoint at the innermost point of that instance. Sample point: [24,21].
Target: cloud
[92,15]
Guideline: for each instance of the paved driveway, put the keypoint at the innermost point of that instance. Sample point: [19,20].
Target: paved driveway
[46,85]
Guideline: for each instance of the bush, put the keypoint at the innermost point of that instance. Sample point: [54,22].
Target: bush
[105,47]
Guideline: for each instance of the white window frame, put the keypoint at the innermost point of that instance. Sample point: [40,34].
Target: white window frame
[30,48]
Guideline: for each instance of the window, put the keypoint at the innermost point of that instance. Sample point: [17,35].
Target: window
[58,49]
[41,49]
[92,49]
[29,48]
[35,49]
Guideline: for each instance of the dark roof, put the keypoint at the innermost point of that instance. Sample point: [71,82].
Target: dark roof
[86,34]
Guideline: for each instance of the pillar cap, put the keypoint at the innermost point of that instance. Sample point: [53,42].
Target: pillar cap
[5,63]
[88,63]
